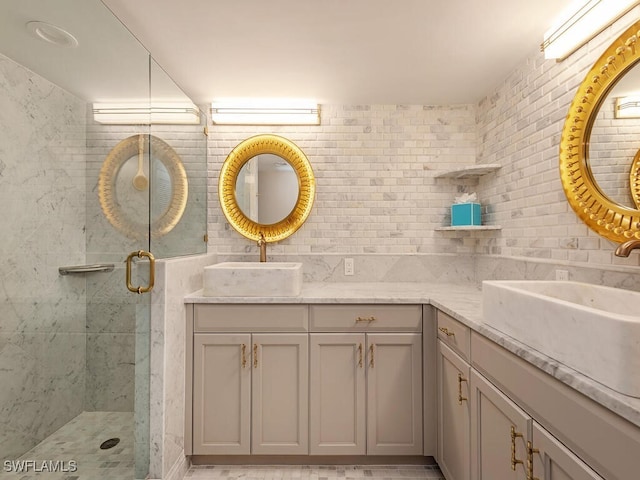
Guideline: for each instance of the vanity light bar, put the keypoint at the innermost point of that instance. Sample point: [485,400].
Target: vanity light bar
[143,114]
[627,107]
[582,21]
[265,113]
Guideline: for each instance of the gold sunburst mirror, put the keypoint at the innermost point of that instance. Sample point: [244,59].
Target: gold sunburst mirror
[123,187]
[266,187]
[612,212]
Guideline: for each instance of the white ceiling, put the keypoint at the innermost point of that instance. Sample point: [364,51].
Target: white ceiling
[340,51]
[109,64]
[334,51]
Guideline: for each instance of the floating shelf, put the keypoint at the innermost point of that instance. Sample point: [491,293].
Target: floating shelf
[470,171]
[468,228]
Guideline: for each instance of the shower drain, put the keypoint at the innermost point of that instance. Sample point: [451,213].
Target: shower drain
[107,444]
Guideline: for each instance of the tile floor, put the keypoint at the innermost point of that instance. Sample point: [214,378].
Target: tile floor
[310,472]
[79,441]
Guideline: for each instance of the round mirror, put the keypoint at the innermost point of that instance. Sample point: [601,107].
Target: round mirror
[266,187]
[592,181]
[129,170]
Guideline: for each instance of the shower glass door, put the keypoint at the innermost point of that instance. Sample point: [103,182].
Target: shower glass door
[82,193]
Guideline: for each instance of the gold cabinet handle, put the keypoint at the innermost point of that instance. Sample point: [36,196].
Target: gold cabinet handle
[371,361]
[460,397]
[366,319]
[152,271]
[514,460]
[446,331]
[360,355]
[255,355]
[243,362]
[530,452]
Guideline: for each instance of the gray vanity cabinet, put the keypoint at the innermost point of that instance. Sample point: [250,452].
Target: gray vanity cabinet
[250,387]
[223,413]
[366,380]
[485,431]
[250,394]
[499,433]
[453,414]
[553,461]
[337,412]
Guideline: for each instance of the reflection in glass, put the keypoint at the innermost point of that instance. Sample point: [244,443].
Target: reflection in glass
[614,142]
[267,189]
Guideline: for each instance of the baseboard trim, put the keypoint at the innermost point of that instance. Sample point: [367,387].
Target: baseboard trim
[311,460]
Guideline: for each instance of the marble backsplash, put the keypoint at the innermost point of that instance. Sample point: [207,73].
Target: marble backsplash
[448,268]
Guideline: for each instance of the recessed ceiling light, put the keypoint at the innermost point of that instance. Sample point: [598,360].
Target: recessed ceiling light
[52,34]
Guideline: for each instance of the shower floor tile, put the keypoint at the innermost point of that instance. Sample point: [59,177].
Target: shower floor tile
[79,441]
[311,472]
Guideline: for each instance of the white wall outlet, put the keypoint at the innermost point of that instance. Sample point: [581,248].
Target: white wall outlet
[562,275]
[349,267]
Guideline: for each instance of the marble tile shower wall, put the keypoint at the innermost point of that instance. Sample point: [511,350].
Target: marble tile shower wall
[375,168]
[519,127]
[42,314]
[112,333]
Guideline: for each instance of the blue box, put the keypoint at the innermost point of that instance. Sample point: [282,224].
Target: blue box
[465,214]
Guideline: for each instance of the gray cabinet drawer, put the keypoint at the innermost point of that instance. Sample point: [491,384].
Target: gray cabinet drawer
[365,318]
[250,318]
[455,335]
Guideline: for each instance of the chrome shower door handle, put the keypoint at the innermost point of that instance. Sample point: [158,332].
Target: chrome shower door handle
[152,271]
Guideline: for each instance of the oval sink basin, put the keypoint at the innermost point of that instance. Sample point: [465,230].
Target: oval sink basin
[590,328]
[253,279]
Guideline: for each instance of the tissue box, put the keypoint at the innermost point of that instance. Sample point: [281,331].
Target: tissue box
[465,214]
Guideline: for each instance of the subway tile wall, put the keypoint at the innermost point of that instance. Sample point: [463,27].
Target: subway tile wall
[519,127]
[376,167]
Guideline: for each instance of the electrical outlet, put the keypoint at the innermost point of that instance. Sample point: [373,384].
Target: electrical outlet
[562,275]
[349,267]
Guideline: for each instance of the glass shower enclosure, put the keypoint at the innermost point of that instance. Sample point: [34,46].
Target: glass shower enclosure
[102,170]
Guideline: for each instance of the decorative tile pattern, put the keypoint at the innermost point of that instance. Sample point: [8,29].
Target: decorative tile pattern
[78,443]
[316,472]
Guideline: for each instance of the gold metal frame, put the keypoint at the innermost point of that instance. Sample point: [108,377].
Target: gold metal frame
[240,155]
[634,179]
[606,217]
[117,157]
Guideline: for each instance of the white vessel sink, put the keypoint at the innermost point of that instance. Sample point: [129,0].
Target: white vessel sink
[253,279]
[592,329]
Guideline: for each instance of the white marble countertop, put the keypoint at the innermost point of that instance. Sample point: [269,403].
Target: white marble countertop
[464,303]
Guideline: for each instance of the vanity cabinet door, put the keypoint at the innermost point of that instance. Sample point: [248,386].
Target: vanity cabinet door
[394,394]
[453,414]
[280,385]
[221,394]
[499,433]
[553,461]
[338,394]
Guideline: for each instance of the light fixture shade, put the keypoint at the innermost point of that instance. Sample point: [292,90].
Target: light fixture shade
[146,114]
[580,23]
[265,112]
